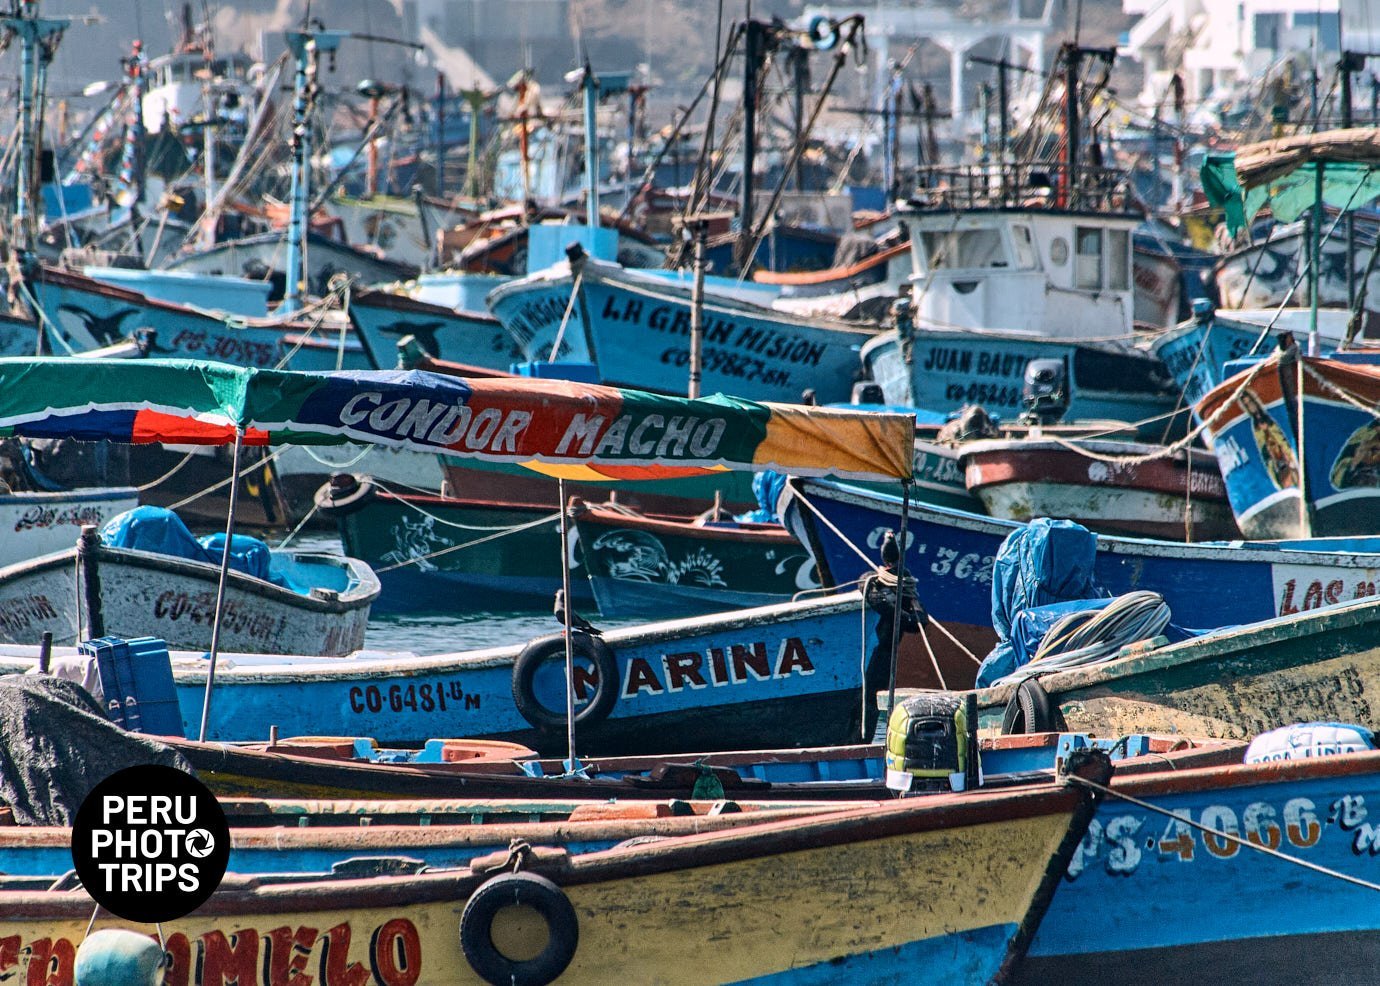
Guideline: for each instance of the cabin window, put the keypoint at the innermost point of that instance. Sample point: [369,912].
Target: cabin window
[1267,28]
[1026,258]
[1087,258]
[966,250]
[1118,259]
[1327,26]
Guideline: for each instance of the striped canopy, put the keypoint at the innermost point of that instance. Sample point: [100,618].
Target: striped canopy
[557,427]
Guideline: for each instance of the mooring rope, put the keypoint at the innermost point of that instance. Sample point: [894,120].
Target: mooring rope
[471,544]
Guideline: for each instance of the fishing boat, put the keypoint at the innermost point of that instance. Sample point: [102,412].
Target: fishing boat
[393,838]
[1112,486]
[577,430]
[636,328]
[1314,665]
[646,566]
[634,912]
[383,316]
[40,523]
[951,554]
[773,676]
[360,769]
[1296,438]
[437,553]
[1262,869]
[147,576]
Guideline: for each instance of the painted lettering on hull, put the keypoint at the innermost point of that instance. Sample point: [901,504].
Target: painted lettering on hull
[738,664]
[347,954]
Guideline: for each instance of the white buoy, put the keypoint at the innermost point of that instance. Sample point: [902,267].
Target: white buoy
[119,958]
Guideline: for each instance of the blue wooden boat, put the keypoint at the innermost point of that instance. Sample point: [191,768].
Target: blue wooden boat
[1299,446]
[383,316]
[950,553]
[775,676]
[636,329]
[91,314]
[1197,352]
[945,369]
[1149,897]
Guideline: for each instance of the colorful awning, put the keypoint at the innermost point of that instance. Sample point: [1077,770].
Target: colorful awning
[549,425]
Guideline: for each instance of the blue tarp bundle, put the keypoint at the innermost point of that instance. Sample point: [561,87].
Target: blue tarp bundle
[766,487]
[1044,562]
[159,530]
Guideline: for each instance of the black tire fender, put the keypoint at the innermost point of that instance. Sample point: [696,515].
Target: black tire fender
[552,647]
[1031,710]
[523,890]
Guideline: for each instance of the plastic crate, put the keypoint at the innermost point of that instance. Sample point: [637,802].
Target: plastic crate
[136,677]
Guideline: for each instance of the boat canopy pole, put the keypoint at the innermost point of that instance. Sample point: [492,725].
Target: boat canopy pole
[571,763]
[220,585]
[900,597]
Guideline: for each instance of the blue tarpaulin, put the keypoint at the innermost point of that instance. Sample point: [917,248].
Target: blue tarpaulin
[1044,562]
[161,531]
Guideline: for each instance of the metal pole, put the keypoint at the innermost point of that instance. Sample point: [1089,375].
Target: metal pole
[752,53]
[569,643]
[1345,68]
[1315,237]
[1072,58]
[697,310]
[25,163]
[438,185]
[800,66]
[900,597]
[590,84]
[220,585]
[305,52]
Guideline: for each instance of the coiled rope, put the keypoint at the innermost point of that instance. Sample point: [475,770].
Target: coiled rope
[1093,637]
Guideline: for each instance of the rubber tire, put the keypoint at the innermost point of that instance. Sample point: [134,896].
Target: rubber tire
[530,890]
[551,647]
[1031,710]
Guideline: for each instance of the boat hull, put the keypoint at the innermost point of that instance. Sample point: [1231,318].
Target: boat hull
[1298,446]
[640,566]
[946,370]
[705,909]
[1179,497]
[950,553]
[1321,666]
[777,676]
[438,554]
[637,331]
[1182,904]
[148,595]
[383,317]
[35,524]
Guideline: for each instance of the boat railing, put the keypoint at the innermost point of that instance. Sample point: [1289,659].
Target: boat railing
[1032,184]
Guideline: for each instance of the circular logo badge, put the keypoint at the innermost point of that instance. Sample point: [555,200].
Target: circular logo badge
[150,843]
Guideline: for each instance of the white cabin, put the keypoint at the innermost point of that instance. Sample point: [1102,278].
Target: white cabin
[1061,274]
[177,85]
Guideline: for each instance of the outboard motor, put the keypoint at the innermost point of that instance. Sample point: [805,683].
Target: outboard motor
[868,392]
[932,745]
[1045,392]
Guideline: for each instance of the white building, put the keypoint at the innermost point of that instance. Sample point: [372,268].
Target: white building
[1215,44]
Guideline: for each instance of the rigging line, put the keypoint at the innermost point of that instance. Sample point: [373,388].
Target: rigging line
[1227,836]
[481,528]
[228,479]
[470,544]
